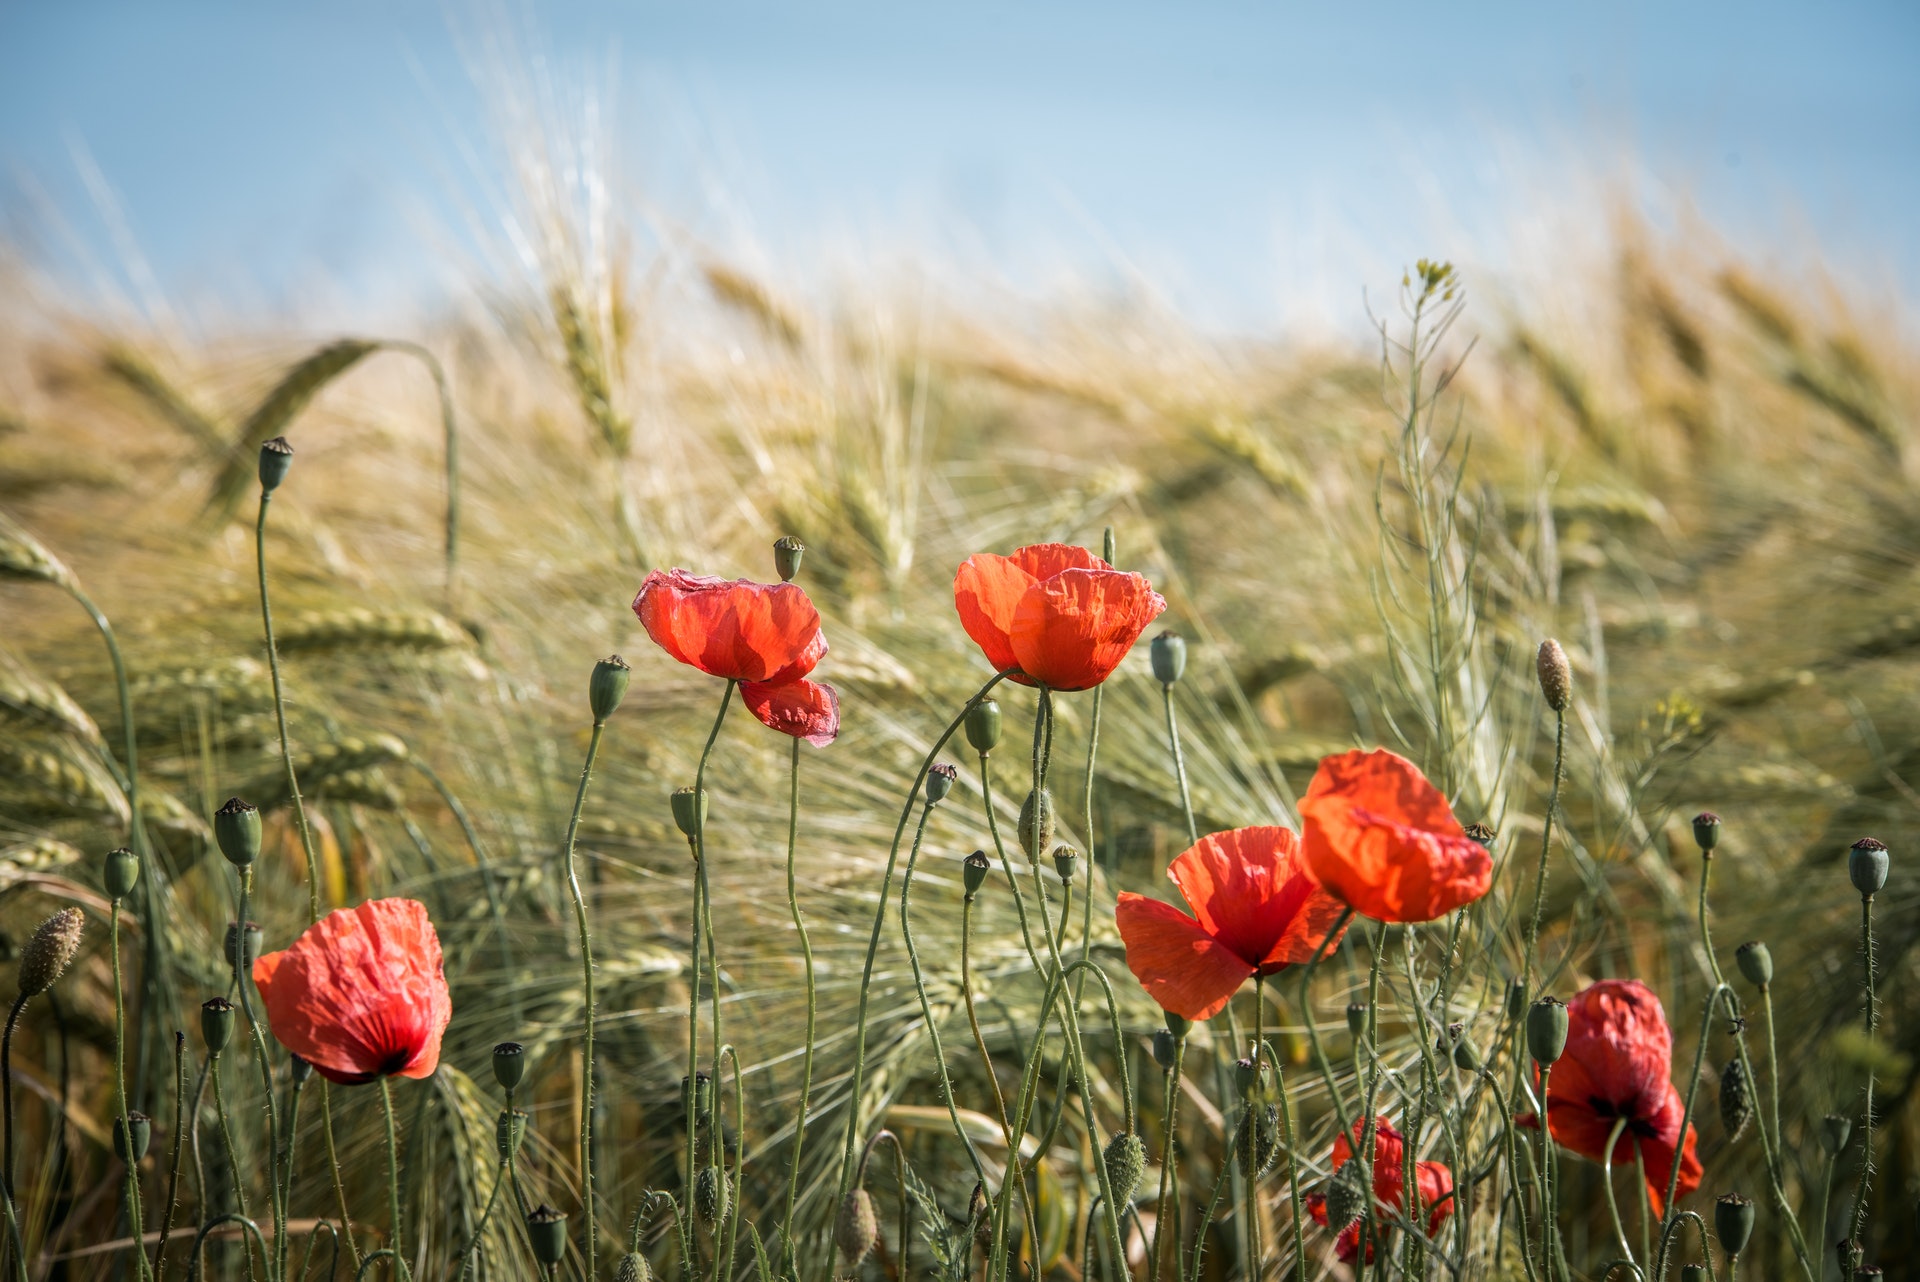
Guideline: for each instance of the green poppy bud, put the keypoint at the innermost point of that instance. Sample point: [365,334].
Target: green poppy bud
[1693,1273]
[983,726]
[131,1135]
[254,937]
[698,1094]
[940,780]
[547,1234]
[1356,1020]
[1455,1042]
[1125,1158]
[1868,1272]
[509,1130]
[1177,1024]
[1835,1131]
[633,1268]
[1736,1101]
[1247,1075]
[1755,962]
[509,1064]
[1556,675]
[236,829]
[1168,655]
[1064,858]
[276,456]
[1706,831]
[1166,1049]
[1516,1000]
[1547,1030]
[1482,834]
[608,686]
[688,817]
[1346,1196]
[1867,866]
[119,873]
[973,872]
[856,1227]
[1733,1222]
[1036,823]
[787,552]
[216,1024]
[710,1193]
[1257,1141]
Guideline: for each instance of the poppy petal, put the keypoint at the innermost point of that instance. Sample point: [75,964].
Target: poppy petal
[1044,560]
[1375,833]
[986,590]
[807,710]
[1181,966]
[1071,631]
[737,629]
[1249,890]
[1620,1045]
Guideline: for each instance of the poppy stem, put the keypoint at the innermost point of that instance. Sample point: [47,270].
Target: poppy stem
[1313,1028]
[1206,1220]
[1550,1186]
[1179,762]
[400,1268]
[132,1181]
[280,715]
[1164,1208]
[806,953]
[244,982]
[993,1078]
[1546,847]
[1864,1184]
[697,842]
[181,1124]
[585,933]
[1606,1182]
[291,1132]
[333,1165]
[233,1157]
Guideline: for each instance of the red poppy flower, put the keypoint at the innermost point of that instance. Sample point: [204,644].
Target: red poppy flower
[1383,839]
[1619,1063]
[361,993]
[1389,1186]
[1055,614]
[1258,912]
[764,635]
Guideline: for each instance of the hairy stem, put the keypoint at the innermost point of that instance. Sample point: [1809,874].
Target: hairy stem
[585,933]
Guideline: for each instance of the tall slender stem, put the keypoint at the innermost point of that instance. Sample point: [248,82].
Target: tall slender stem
[6,1072]
[1549,1185]
[1546,847]
[280,713]
[1163,1209]
[393,1182]
[244,982]
[333,1166]
[233,1156]
[1864,1184]
[697,843]
[135,1221]
[1606,1182]
[181,1125]
[1179,763]
[806,954]
[586,978]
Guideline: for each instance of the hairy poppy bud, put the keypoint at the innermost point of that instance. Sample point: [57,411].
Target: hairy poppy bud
[1835,1131]
[940,781]
[1177,1024]
[1706,831]
[633,1268]
[1125,1158]
[1547,1030]
[856,1229]
[1733,1222]
[973,872]
[509,1129]
[1168,655]
[236,829]
[1736,1102]
[276,456]
[1556,675]
[254,937]
[1755,962]
[1346,1196]
[608,686]
[131,1135]
[547,1234]
[1064,858]
[710,1195]
[1867,866]
[1166,1049]
[47,955]
[216,1024]
[119,873]
[509,1064]
[698,1093]
[787,552]
[1482,834]
[1257,1141]
[1036,822]
[687,816]
[1356,1020]
[300,1070]
[1247,1076]
[983,726]
[1516,1000]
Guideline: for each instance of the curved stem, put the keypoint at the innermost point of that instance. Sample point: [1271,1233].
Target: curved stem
[1206,1218]
[1179,764]
[1606,1183]
[193,1270]
[806,953]
[585,932]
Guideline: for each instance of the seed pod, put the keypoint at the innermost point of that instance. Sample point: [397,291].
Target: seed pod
[119,873]
[1868,1272]
[254,938]
[710,1195]
[547,1234]
[236,829]
[1356,1020]
[608,686]
[983,726]
[1064,858]
[1168,655]
[1547,1030]
[1126,1158]
[1867,866]
[1482,834]
[276,456]
[216,1024]
[1463,1050]
[1166,1049]
[1736,1102]
[787,552]
[131,1135]
[1346,1196]
[1835,1131]
[856,1229]
[1517,1000]
[509,1064]
[509,1130]
[1257,1141]
[973,872]
[1755,962]
[1036,823]
[300,1070]
[47,955]
[1693,1273]
[940,780]
[686,816]
[1177,1024]
[633,1268]
[1733,1222]
[1556,675]
[1706,831]
[1248,1076]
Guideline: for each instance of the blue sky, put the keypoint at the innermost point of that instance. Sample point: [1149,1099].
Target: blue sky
[274,155]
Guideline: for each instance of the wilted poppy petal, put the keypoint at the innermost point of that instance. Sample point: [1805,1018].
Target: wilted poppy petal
[1071,631]
[807,710]
[1618,1038]
[1375,833]
[1180,965]
[737,629]
[1249,890]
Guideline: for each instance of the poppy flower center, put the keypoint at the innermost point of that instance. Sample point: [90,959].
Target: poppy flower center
[1636,1124]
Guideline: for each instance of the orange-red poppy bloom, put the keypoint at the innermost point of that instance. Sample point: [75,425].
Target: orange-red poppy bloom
[1053,614]
[1256,912]
[1383,839]
[1389,1186]
[361,994]
[1619,1063]
[766,636]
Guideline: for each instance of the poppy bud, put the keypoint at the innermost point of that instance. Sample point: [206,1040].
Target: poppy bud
[973,872]
[1247,1075]
[1835,1131]
[236,828]
[1036,822]
[983,726]
[940,781]
[1755,962]
[699,1097]
[1064,858]
[509,1064]
[1867,1272]
[216,1024]
[1482,834]
[509,1130]
[686,816]
[1356,1020]
[46,956]
[1257,1142]
[1547,1030]
[131,1135]
[1516,1000]
[1168,655]
[1556,675]
[300,1070]
[710,1195]
[633,1268]
[856,1229]
[1706,831]
[1736,1102]
[1346,1196]
[1463,1052]
[254,937]
[1867,866]
[1693,1273]
[1126,1158]
[977,1212]
[787,552]
[119,873]
[547,1234]
[276,456]
[1166,1049]
[608,686]
[1733,1222]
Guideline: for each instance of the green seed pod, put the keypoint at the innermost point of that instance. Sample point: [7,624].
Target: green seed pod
[1166,1049]
[608,686]
[787,552]
[1248,1076]
[1036,823]
[1868,1272]
[509,1064]
[1547,1030]
[686,816]
[1257,1140]
[973,872]
[1693,1273]
[1125,1158]
[983,726]
[856,1228]
[1346,1196]
[710,1195]
[1168,655]
[1064,858]
[1356,1020]
[1556,675]
[547,1234]
[236,828]
[509,1131]
[1867,866]
[276,456]
[940,780]
[216,1024]
[254,939]
[1733,1222]
[46,956]
[1736,1101]
[633,1267]
[1517,1000]
[1482,834]
[1755,962]
[131,1135]
[119,873]
[1177,1024]
[1454,1041]
[1835,1131]
[1706,831]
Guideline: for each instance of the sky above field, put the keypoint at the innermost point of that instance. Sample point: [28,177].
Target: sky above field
[1255,165]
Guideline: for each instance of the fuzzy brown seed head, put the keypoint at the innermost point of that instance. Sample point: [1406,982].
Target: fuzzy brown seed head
[50,951]
[1482,834]
[856,1229]
[1257,1141]
[710,1196]
[1736,1102]
[1125,1158]
[1036,823]
[633,1268]
[1346,1196]
[1556,675]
